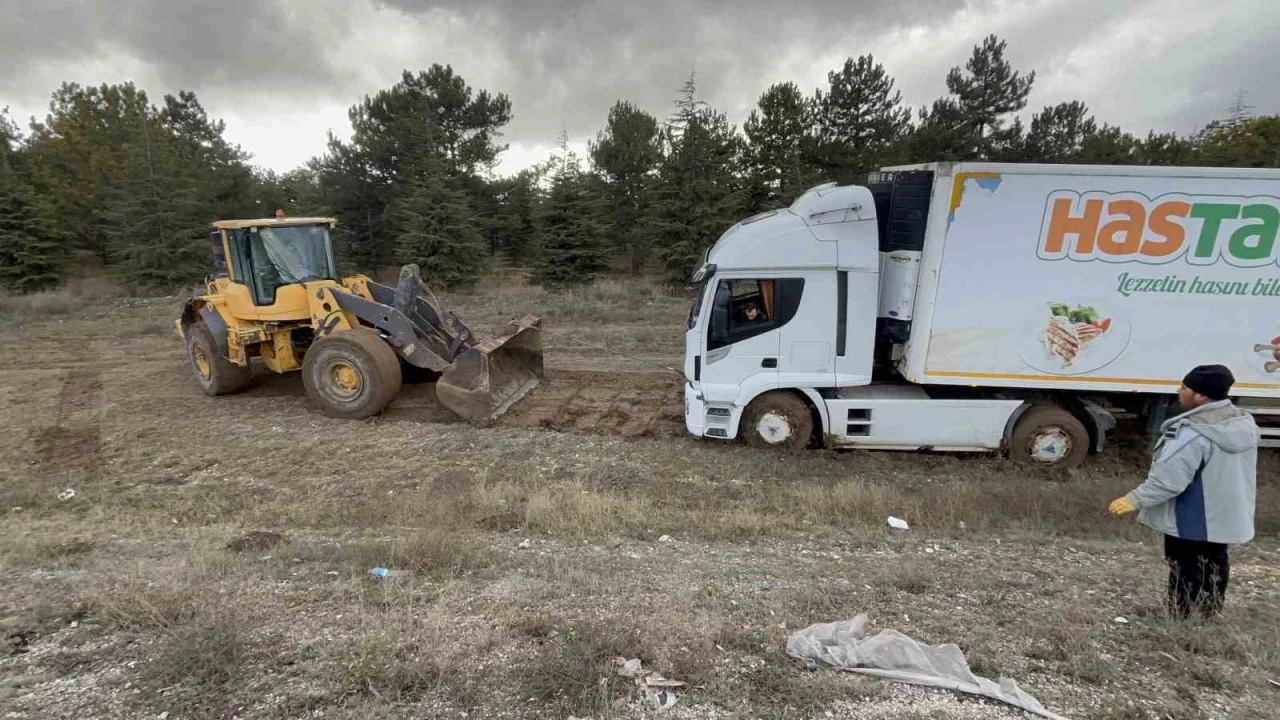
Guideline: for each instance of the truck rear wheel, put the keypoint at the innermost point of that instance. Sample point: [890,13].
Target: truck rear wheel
[777,420]
[1049,436]
[215,374]
[351,374]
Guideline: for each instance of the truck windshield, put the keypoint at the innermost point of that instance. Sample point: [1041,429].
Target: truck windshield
[298,254]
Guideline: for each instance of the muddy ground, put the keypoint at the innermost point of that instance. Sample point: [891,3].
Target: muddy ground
[165,552]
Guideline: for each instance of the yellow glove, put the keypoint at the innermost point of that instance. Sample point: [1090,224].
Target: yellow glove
[1121,505]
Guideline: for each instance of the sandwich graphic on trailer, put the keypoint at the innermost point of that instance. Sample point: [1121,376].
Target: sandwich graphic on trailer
[1274,349]
[1071,331]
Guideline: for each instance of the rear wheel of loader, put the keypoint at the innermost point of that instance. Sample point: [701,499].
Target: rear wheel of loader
[351,374]
[215,374]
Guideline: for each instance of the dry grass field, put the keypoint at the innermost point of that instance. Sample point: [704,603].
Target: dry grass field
[213,561]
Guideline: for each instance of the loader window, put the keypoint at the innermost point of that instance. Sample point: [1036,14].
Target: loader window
[298,254]
[285,256]
[219,257]
[747,308]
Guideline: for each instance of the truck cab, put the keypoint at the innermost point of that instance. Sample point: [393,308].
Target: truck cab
[786,299]
[832,299]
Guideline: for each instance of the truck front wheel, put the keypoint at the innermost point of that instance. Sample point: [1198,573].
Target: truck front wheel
[777,420]
[1050,436]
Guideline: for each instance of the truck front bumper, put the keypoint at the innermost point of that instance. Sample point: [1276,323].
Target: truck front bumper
[695,411]
[711,420]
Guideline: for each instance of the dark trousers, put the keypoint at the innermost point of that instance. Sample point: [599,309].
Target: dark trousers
[1198,574]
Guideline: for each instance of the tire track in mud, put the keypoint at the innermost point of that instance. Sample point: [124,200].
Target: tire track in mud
[71,448]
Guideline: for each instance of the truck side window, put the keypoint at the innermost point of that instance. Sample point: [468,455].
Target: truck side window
[746,308]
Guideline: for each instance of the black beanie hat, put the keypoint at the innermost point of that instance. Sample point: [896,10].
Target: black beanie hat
[1211,381]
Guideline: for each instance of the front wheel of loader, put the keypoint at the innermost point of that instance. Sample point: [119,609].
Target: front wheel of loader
[351,374]
[215,374]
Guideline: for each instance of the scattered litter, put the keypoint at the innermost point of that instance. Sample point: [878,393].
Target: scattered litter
[928,549]
[1273,682]
[769,584]
[525,544]
[891,655]
[75,624]
[659,690]
[665,539]
[66,494]
[897,522]
[332,573]
[1122,620]
[381,572]
[256,541]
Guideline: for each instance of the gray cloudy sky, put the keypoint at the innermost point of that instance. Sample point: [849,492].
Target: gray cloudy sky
[283,72]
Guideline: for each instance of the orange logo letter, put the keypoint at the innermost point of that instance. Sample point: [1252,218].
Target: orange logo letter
[1062,224]
[1162,224]
[1131,228]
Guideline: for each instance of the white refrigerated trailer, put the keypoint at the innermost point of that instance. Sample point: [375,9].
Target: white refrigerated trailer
[987,307]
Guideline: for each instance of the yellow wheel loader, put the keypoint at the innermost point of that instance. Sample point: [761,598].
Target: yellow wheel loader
[274,295]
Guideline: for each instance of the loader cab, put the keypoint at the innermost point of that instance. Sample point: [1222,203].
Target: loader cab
[270,254]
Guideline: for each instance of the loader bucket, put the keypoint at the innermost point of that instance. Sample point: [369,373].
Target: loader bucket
[489,377]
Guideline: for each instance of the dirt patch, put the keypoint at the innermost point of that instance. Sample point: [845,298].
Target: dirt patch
[583,402]
[256,541]
[71,451]
[73,445]
[627,404]
[81,391]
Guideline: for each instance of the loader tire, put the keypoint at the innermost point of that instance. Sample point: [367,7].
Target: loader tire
[351,374]
[215,374]
[1048,436]
[777,420]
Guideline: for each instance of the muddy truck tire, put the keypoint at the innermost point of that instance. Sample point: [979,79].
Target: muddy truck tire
[777,420]
[215,374]
[351,374]
[1048,436]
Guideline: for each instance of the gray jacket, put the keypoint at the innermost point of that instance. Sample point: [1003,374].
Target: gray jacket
[1203,482]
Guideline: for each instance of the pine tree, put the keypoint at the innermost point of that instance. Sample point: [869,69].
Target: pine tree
[626,155]
[572,243]
[942,134]
[700,195]
[860,118]
[1109,146]
[435,226]
[1059,133]
[155,218]
[781,147]
[986,91]
[33,249]
[360,178]
[1167,149]
[1255,142]
[519,204]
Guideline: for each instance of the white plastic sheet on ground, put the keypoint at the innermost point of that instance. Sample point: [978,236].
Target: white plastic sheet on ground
[891,655]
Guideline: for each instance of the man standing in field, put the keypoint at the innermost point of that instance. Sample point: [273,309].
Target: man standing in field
[1201,490]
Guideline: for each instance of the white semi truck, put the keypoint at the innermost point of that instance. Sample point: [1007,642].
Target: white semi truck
[987,307]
